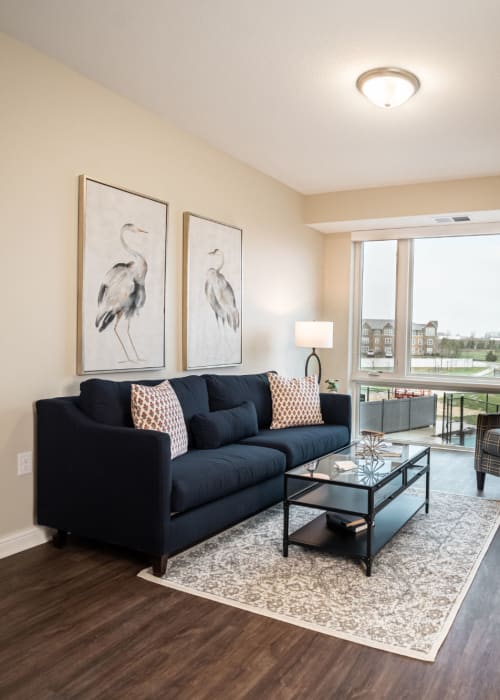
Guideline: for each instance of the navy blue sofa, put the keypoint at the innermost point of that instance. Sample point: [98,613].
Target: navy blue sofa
[99,477]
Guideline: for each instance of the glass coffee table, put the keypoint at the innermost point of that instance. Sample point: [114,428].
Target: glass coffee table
[373,490]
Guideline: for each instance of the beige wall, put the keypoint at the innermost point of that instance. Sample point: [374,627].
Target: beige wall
[468,195]
[337,273]
[55,125]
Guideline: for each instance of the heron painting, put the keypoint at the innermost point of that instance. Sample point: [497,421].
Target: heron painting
[212,293]
[122,279]
[123,292]
[220,294]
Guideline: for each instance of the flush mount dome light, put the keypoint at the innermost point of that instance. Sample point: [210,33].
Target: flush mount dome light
[387,87]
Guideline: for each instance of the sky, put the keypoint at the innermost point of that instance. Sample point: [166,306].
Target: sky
[456,282]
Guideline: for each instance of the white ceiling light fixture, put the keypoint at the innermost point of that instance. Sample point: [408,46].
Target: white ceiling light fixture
[388,87]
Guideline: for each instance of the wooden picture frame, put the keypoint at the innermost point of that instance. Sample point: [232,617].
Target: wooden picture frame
[121,279]
[212,294]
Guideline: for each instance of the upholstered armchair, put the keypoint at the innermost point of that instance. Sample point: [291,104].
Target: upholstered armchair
[487,456]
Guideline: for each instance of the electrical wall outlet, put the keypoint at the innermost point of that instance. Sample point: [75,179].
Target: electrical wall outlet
[24,463]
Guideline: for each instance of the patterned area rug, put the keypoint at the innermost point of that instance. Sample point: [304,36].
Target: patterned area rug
[407,606]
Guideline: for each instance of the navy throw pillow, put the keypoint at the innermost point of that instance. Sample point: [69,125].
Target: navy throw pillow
[217,428]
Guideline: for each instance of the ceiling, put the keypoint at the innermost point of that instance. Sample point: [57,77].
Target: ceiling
[272,82]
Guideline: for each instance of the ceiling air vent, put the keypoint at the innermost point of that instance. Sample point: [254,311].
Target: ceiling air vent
[451,219]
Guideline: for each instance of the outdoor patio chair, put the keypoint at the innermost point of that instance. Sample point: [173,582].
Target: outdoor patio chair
[487,455]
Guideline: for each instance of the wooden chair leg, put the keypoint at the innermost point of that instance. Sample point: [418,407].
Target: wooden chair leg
[480,476]
[160,565]
[59,539]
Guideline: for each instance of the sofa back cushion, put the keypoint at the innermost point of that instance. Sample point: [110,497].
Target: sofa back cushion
[230,390]
[192,394]
[108,401]
[216,428]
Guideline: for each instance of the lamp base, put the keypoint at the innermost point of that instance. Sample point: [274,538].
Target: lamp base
[309,358]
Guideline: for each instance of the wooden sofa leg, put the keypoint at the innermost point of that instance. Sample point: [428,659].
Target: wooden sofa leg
[59,539]
[160,565]
[480,476]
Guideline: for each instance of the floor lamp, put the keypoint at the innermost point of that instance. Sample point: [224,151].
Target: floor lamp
[314,334]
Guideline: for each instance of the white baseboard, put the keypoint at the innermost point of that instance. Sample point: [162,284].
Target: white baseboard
[20,540]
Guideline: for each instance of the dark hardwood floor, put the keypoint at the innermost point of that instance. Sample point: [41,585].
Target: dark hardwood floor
[78,623]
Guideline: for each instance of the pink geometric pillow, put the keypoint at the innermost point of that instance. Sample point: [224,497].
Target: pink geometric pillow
[158,408]
[295,401]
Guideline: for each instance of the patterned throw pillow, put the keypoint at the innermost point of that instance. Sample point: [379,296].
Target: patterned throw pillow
[295,401]
[158,408]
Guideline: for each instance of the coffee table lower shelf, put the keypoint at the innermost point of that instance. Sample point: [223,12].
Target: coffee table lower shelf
[387,523]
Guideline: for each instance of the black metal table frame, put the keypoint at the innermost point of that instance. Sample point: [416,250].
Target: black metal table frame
[372,509]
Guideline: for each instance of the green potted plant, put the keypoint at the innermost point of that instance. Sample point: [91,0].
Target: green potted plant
[331,385]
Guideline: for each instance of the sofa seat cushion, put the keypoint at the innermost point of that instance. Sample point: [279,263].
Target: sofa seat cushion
[303,443]
[203,476]
[491,442]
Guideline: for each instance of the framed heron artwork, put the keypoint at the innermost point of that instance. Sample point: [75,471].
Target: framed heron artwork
[121,279]
[212,293]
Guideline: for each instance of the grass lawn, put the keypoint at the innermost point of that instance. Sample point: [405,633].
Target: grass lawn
[478,401]
[469,371]
[474,354]
[473,404]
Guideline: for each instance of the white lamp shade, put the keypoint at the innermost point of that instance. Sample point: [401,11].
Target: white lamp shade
[314,334]
[388,87]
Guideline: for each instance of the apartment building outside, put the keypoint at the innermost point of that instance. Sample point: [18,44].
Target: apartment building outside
[377,337]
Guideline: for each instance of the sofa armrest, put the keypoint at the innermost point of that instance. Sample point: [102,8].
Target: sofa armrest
[336,409]
[103,482]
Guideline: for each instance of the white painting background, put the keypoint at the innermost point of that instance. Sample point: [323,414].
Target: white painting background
[107,210]
[210,344]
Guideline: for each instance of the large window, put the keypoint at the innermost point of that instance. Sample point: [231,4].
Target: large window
[378,304]
[456,293]
[427,318]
